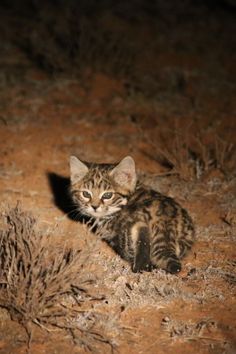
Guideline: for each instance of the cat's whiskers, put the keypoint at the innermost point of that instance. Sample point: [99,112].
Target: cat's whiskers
[75,213]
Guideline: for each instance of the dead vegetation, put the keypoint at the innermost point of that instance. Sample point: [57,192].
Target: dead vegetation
[39,286]
[189,155]
[205,330]
[188,331]
[68,38]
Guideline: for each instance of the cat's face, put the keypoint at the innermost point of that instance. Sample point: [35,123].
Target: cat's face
[100,190]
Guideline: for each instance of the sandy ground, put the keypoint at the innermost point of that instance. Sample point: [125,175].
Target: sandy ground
[44,120]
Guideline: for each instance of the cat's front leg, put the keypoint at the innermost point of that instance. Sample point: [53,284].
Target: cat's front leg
[141,248]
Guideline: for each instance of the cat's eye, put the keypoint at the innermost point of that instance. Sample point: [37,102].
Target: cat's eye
[86,194]
[107,195]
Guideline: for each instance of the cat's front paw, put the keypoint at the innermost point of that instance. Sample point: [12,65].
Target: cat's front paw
[137,268]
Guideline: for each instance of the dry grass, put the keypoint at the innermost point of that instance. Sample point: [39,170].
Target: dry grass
[189,155]
[205,330]
[189,330]
[40,287]
[67,39]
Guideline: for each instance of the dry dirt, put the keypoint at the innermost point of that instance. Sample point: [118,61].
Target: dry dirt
[45,119]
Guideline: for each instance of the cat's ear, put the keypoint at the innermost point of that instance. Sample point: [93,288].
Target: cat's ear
[77,169]
[124,173]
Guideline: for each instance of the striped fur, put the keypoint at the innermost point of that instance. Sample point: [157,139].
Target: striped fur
[145,227]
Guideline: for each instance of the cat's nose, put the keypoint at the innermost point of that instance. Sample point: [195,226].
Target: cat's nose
[94,207]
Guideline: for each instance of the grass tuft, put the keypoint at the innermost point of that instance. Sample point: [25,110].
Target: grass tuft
[39,286]
[191,156]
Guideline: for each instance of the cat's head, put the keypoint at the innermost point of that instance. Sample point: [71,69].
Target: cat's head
[100,190]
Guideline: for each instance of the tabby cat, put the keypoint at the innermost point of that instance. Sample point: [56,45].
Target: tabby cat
[145,227]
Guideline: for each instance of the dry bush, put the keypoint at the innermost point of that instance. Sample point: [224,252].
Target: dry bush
[189,330]
[103,50]
[189,156]
[206,331]
[68,39]
[40,287]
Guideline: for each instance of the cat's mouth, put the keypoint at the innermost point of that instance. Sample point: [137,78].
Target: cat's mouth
[101,213]
[97,214]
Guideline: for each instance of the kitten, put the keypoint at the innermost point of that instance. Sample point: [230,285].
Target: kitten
[145,227]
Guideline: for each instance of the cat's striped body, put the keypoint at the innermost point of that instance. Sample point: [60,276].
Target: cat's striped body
[145,227]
